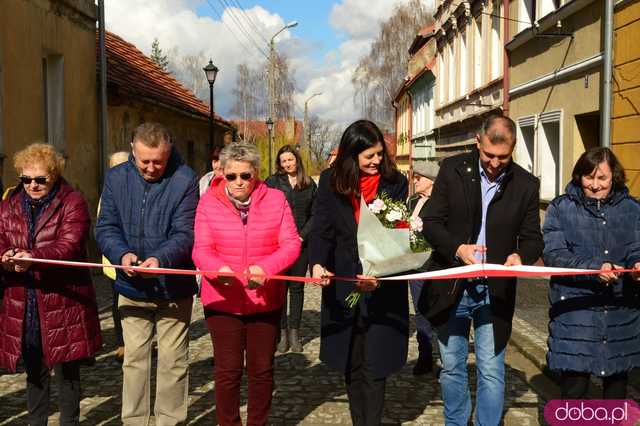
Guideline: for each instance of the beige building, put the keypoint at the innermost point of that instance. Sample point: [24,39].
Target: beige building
[469,69]
[414,103]
[138,91]
[48,88]
[555,56]
[626,90]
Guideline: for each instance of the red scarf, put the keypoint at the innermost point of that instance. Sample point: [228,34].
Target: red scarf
[368,191]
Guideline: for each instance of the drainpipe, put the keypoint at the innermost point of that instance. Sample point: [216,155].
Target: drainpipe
[605,109]
[102,137]
[505,60]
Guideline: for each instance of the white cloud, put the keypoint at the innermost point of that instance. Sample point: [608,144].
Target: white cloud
[176,25]
[361,18]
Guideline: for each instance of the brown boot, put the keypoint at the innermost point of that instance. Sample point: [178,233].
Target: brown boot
[294,340]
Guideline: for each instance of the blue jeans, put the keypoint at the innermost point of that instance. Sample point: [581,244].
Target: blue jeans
[454,379]
[423,329]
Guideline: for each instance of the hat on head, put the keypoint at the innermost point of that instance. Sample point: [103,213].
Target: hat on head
[427,169]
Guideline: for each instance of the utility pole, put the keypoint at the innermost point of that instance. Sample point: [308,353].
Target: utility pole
[305,126]
[272,77]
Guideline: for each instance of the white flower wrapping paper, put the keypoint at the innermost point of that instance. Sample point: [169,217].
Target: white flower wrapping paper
[385,251]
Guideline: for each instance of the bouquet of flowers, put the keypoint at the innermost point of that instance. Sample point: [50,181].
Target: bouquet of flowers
[389,240]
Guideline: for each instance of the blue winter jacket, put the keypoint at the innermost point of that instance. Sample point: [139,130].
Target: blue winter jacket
[594,327]
[150,219]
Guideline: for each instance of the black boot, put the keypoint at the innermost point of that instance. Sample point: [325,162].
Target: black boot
[283,344]
[294,340]
[424,365]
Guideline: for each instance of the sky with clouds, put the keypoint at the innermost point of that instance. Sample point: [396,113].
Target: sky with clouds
[323,49]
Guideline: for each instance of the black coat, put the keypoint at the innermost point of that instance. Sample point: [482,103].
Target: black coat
[300,201]
[334,245]
[453,217]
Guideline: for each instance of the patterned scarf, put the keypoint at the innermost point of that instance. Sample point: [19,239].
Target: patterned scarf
[32,209]
[242,206]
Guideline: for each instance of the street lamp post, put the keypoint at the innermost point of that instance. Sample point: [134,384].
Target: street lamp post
[272,68]
[307,132]
[269,124]
[211,71]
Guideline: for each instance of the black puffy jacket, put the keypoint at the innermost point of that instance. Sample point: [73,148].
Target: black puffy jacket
[300,201]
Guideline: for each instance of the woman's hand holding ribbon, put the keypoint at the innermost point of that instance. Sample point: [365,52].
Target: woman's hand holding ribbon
[256,282]
[366,284]
[320,272]
[607,277]
[225,280]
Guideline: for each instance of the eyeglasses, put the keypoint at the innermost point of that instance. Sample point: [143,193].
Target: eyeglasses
[40,180]
[233,176]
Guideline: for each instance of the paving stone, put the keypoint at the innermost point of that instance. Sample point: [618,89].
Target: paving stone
[307,392]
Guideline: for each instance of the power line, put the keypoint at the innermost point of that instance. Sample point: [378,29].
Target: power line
[244,46]
[230,8]
[220,15]
[240,26]
[253,23]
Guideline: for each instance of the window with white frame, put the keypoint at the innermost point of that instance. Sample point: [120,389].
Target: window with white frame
[430,113]
[548,154]
[478,53]
[496,43]
[423,110]
[53,96]
[462,83]
[539,150]
[546,7]
[526,13]
[441,77]
[524,152]
[451,77]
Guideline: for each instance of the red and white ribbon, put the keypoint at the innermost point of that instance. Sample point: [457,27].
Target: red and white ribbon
[480,270]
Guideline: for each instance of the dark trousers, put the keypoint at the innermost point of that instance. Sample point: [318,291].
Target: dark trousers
[117,321]
[365,392]
[296,292]
[235,335]
[575,385]
[423,329]
[38,377]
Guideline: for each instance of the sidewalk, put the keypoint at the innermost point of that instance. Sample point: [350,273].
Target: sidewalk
[531,338]
[307,392]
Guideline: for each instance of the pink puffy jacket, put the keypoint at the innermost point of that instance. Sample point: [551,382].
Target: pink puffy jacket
[269,240]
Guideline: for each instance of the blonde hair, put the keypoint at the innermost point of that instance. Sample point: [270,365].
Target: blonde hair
[118,158]
[40,154]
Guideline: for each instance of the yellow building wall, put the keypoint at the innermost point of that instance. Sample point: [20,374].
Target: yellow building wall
[29,30]
[625,120]
[542,56]
[403,136]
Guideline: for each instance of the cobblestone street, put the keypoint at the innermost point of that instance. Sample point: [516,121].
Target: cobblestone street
[307,391]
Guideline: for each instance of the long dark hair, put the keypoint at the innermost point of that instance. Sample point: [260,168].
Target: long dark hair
[345,173]
[590,159]
[302,179]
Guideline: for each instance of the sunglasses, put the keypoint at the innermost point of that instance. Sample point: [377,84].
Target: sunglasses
[232,176]
[40,180]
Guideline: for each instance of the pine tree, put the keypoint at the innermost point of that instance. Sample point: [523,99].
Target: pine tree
[158,56]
